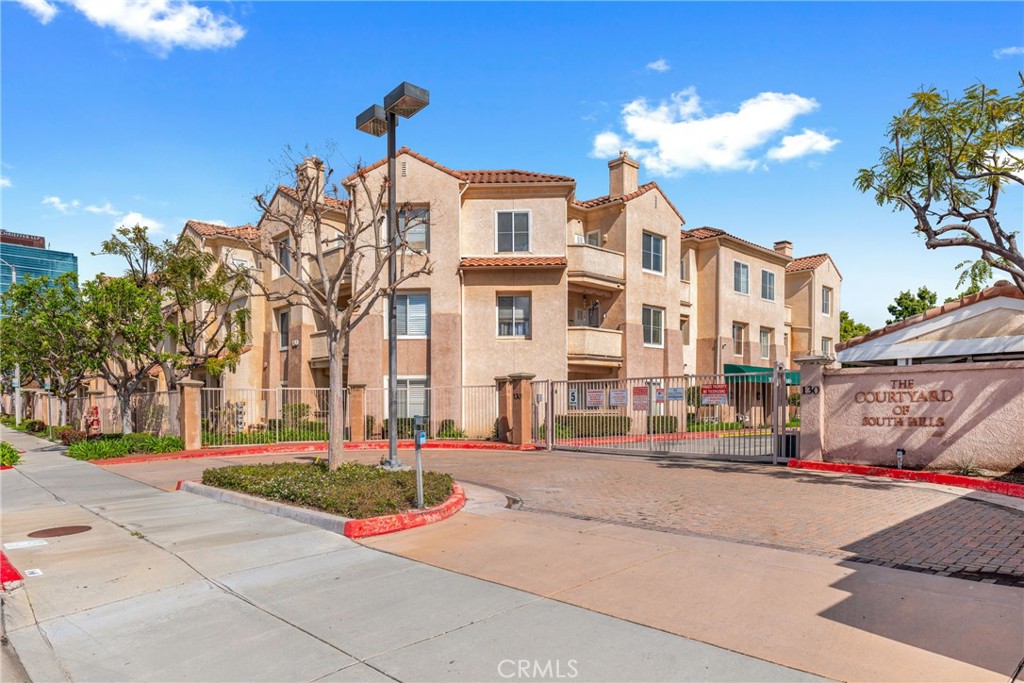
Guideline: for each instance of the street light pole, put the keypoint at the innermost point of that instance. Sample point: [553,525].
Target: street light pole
[405,101]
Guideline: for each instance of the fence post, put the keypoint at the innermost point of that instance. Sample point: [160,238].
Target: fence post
[522,407]
[504,387]
[190,413]
[812,407]
[357,412]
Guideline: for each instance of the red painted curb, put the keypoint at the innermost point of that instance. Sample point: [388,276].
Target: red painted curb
[307,447]
[8,572]
[375,526]
[1005,488]
[6,467]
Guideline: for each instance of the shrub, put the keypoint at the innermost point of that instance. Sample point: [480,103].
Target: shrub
[72,436]
[98,449]
[353,490]
[295,412]
[583,425]
[116,446]
[700,426]
[405,427]
[7,420]
[371,422]
[448,430]
[964,466]
[34,426]
[561,432]
[662,424]
[8,454]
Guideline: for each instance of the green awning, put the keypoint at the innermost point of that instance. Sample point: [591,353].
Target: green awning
[752,374]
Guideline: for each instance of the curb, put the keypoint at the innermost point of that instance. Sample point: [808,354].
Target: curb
[376,526]
[8,572]
[308,447]
[352,528]
[1002,487]
[6,467]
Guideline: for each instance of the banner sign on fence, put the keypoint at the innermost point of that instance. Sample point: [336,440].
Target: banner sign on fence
[659,395]
[641,399]
[618,398]
[574,397]
[714,394]
[676,393]
[595,398]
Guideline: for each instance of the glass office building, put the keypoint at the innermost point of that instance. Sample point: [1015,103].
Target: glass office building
[28,256]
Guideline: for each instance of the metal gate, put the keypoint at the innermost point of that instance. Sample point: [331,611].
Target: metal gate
[738,416]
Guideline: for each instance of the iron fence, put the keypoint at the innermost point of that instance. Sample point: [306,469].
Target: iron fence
[260,416]
[467,412]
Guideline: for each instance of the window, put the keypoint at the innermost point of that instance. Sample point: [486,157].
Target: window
[684,329]
[768,285]
[826,301]
[514,316]
[513,231]
[594,238]
[766,342]
[282,329]
[413,312]
[740,277]
[284,256]
[654,251]
[414,224]
[684,266]
[738,330]
[411,395]
[826,346]
[654,326]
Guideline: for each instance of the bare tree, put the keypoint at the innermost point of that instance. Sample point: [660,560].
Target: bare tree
[334,254]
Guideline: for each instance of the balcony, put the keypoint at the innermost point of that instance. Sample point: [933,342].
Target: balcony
[318,349]
[595,346]
[596,268]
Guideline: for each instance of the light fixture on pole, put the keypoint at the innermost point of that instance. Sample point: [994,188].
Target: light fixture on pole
[404,101]
[17,366]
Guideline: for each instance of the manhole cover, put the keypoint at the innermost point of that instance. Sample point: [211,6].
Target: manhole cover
[59,531]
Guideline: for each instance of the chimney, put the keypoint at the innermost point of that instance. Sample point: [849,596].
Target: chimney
[784,247]
[311,170]
[623,174]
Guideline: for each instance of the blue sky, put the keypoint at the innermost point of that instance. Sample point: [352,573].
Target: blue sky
[113,113]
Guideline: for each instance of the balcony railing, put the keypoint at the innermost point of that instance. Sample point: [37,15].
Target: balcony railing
[595,345]
[595,266]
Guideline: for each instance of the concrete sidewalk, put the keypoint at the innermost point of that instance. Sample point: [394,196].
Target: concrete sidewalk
[169,586]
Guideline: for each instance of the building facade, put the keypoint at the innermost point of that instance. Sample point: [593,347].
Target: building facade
[29,257]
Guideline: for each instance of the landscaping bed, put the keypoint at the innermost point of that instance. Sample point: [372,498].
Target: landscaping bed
[120,445]
[354,490]
[9,455]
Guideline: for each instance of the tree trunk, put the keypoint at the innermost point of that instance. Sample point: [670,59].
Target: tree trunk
[336,418]
[125,403]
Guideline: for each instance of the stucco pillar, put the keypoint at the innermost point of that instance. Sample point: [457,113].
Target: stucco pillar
[357,412]
[812,407]
[190,413]
[504,387]
[522,407]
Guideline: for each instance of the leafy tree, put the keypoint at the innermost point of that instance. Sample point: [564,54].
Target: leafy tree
[974,274]
[297,230]
[43,331]
[849,328]
[949,162]
[203,300]
[907,304]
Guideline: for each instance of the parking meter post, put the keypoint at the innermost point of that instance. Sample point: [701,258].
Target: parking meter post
[420,438]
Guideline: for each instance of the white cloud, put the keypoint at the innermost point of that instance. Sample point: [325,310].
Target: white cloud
[5,182]
[676,135]
[60,204]
[133,218]
[659,65]
[1008,52]
[807,142]
[105,209]
[160,24]
[44,11]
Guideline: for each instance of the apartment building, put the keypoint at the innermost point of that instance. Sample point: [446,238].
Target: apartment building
[812,297]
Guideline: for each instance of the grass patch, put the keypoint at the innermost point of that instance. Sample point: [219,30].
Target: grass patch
[354,490]
[8,454]
[117,446]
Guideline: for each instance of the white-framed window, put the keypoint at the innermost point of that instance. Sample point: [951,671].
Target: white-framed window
[514,315]
[766,342]
[684,266]
[768,285]
[415,225]
[512,231]
[413,313]
[594,238]
[740,277]
[826,346]
[654,253]
[684,329]
[413,396]
[654,326]
[826,301]
[739,332]
[284,255]
[283,321]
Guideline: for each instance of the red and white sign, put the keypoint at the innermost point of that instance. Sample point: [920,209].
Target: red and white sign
[595,398]
[641,398]
[714,394]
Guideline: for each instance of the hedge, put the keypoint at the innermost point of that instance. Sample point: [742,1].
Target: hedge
[593,425]
[662,424]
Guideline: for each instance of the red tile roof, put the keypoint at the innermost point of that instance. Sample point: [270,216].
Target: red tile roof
[479,177]
[643,189]
[245,232]
[806,262]
[514,262]
[1001,288]
[706,233]
[328,201]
